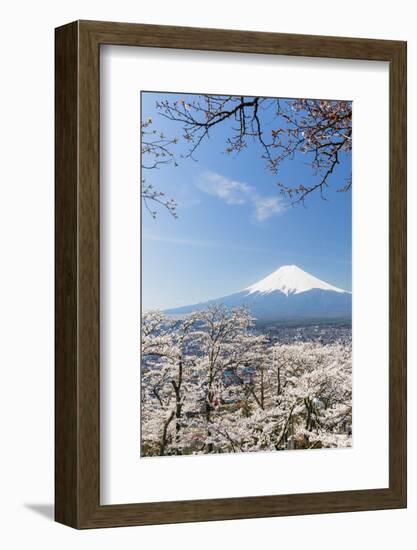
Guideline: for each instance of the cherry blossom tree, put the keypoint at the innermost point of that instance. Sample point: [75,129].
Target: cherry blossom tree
[166,376]
[211,383]
[155,153]
[317,131]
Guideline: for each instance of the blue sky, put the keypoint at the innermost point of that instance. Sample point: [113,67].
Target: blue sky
[233,226]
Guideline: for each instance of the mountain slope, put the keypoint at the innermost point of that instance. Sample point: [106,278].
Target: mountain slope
[290,279]
[289,293]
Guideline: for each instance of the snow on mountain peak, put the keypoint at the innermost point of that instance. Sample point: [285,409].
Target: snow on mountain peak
[290,279]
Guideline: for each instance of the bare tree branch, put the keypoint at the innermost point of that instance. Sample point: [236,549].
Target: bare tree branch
[320,130]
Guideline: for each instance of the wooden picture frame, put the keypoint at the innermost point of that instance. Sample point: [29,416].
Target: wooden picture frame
[77,382]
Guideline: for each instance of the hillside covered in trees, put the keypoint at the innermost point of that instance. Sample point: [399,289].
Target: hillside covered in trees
[212,383]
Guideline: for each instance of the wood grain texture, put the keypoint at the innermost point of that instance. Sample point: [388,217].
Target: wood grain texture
[398,273]
[66,237]
[78,285]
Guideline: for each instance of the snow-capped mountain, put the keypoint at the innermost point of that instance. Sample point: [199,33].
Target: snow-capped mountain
[290,279]
[289,293]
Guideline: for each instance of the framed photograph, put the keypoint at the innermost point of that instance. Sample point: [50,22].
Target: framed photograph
[230,274]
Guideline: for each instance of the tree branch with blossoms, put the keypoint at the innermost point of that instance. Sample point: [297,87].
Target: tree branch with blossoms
[319,130]
[156,152]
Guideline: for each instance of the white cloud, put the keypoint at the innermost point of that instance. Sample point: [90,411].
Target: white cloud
[181,241]
[235,246]
[237,192]
[265,207]
[231,191]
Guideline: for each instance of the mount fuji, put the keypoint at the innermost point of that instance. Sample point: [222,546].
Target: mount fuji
[287,294]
